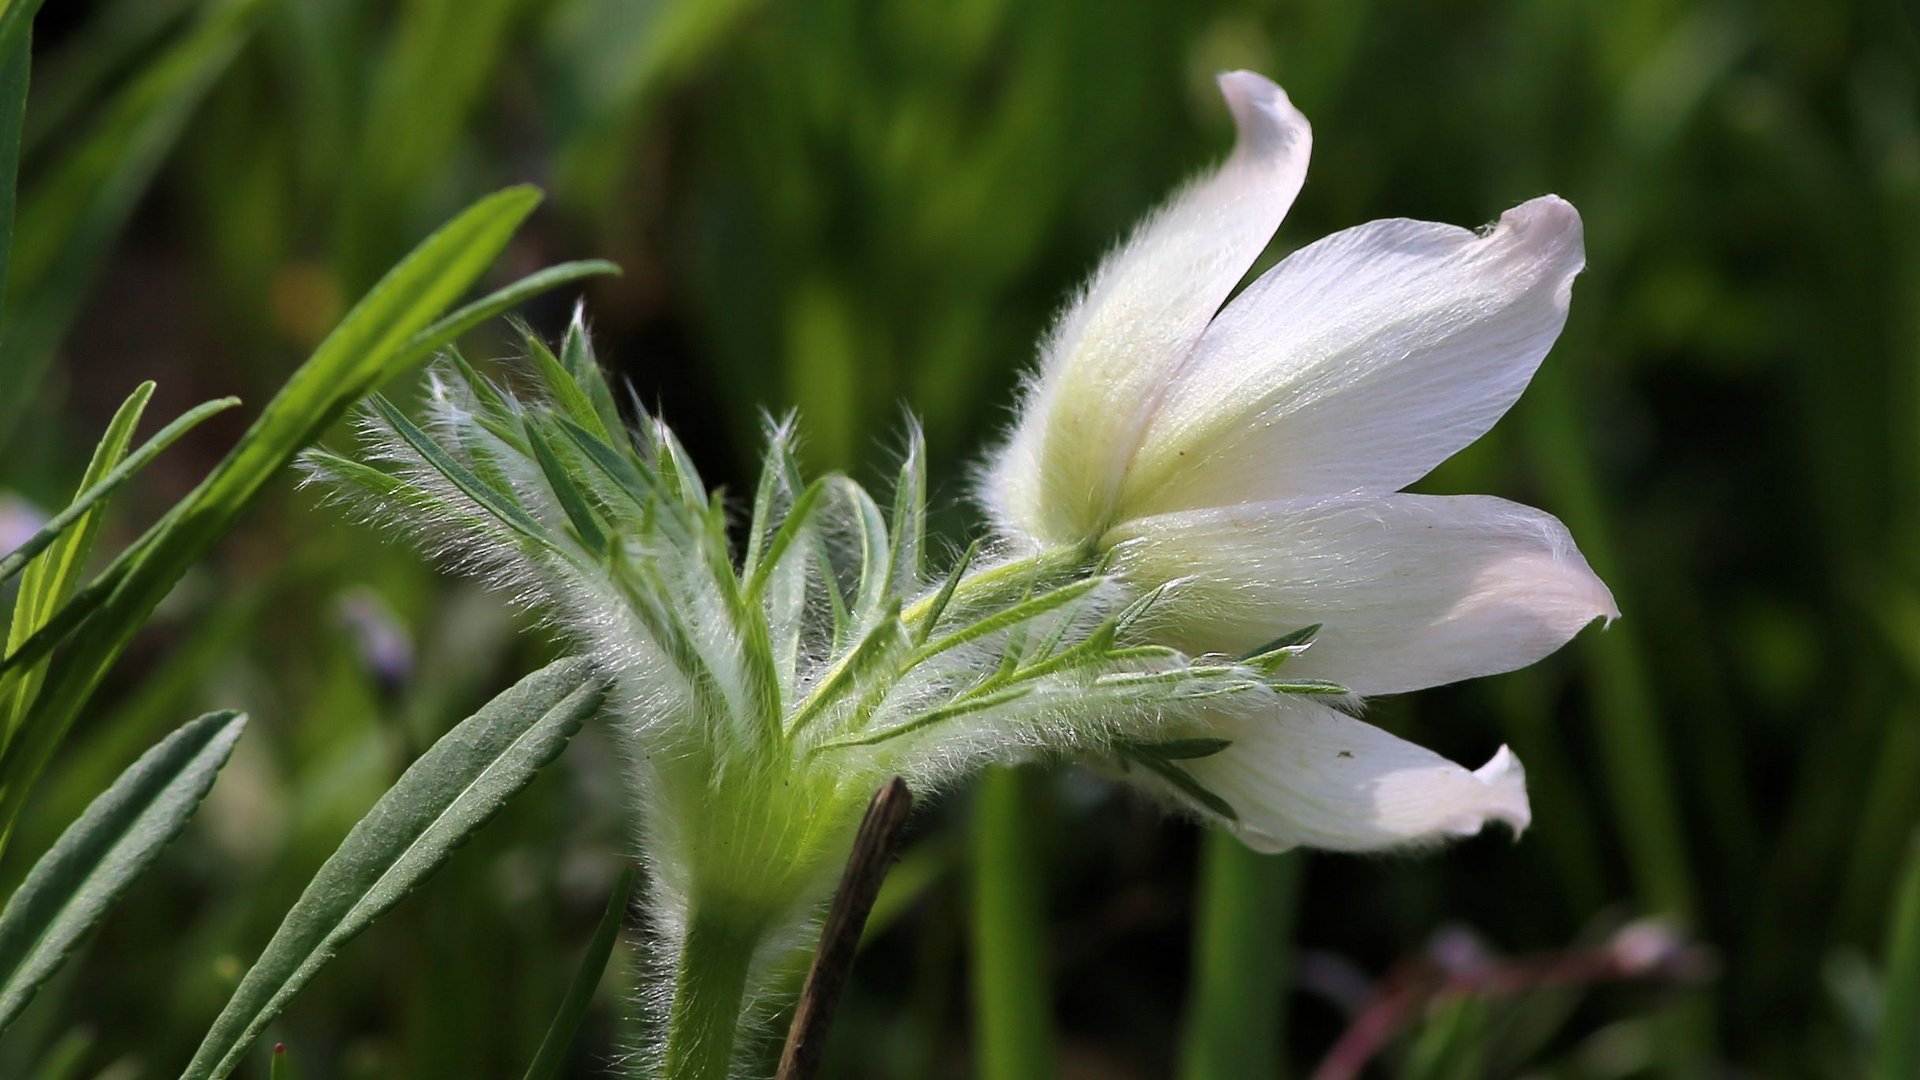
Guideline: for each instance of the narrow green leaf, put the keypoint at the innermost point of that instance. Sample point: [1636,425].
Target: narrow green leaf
[50,580]
[1180,779]
[565,491]
[1092,653]
[677,471]
[362,351]
[16,31]
[1277,651]
[100,854]
[70,218]
[822,557]
[67,620]
[924,620]
[53,579]
[563,390]
[437,804]
[447,330]
[909,523]
[387,487]
[16,62]
[799,517]
[573,1008]
[759,666]
[498,503]
[762,514]
[1101,640]
[885,640]
[1130,615]
[670,632]
[772,481]
[576,352]
[876,551]
[1183,749]
[491,406]
[1312,687]
[1019,613]
[632,481]
[962,707]
[111,482]
[482,455]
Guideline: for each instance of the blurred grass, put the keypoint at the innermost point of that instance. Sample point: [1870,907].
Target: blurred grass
[1235,1014]
[851,205]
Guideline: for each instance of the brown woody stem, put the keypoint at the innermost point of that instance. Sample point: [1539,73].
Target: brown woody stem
[874,847]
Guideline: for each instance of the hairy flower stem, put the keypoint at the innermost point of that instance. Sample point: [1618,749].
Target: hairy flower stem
[708,993]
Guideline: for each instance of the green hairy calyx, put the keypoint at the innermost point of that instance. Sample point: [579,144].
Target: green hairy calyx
[766,680]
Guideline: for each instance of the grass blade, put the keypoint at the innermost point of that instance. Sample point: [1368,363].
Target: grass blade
[49,583]
[53,580]
[435,806]
[73,213]
[66,620]
[1012,992]
[365,349]
[16,30]
[573,1008]
[106,485]
[101,853]
[16,63]
[1234,1009]
[445,331]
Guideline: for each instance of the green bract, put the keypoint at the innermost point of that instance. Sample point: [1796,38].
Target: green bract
[766,682]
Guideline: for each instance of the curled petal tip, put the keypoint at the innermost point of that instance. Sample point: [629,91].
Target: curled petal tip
[1610,612]
[1547,230]
[1588,598]
[1506,802]
[1549,210]
[1593,595]
[1264,114]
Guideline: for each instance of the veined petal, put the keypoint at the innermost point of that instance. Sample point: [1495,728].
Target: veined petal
[1301,774]
[1362,361]
[1116,348]
[1410,590]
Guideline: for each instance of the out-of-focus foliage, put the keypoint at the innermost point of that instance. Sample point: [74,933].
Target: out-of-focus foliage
[850,206]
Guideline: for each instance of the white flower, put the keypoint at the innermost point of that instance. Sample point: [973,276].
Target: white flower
[764,681]
[1251,457]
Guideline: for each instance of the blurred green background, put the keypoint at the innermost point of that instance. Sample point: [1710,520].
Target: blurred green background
[855,206]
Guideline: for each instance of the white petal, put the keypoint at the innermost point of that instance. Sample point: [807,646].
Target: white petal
[1137,321]
[1303,774]
[1363,361]
[1410,590]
